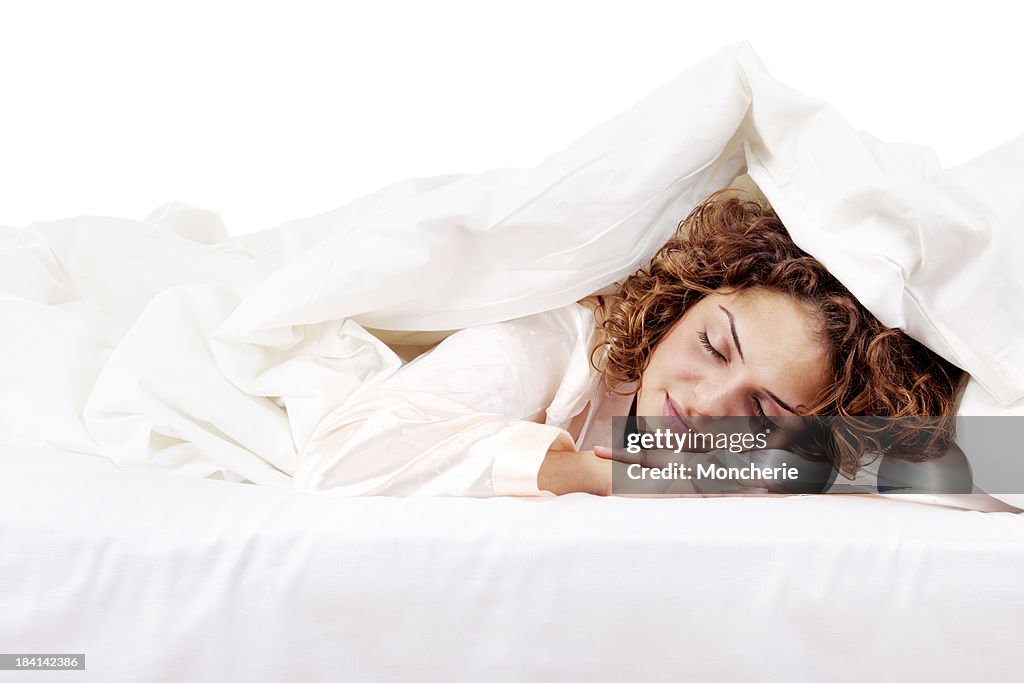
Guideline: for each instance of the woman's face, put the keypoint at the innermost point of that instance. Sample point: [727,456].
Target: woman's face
[746,353]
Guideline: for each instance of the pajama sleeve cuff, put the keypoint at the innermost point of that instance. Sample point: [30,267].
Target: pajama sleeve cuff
[520,450]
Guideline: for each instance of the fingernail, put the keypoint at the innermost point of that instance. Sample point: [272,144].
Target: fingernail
[603,451]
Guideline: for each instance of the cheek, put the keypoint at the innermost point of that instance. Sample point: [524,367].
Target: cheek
[673,360]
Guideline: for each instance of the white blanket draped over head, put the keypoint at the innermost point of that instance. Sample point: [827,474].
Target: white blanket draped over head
[164,343]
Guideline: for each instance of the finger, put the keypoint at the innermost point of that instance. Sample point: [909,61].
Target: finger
[645,458]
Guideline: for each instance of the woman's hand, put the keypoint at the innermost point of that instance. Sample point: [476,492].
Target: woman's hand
[566,471]
[655,488]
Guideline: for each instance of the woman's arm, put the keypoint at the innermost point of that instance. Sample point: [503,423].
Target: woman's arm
[465,419]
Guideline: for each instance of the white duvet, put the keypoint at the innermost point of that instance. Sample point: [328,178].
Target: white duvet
[164,343]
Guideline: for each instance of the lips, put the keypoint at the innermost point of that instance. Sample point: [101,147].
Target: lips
[674,419]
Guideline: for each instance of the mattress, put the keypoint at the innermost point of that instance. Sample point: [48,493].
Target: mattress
[159,577]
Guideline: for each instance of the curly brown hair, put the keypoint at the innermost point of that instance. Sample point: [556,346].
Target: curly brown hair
[729,243]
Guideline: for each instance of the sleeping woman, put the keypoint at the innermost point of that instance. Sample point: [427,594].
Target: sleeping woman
[730,318]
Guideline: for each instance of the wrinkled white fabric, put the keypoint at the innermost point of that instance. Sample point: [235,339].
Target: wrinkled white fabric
[163,343]
[474,416]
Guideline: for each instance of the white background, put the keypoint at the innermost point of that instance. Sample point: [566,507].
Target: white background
[267,112]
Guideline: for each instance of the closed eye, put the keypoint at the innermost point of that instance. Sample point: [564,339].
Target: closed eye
[706,343]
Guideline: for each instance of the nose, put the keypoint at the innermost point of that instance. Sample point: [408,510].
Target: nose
[718,399]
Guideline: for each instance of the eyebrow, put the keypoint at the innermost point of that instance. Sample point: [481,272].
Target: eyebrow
[735,338]
[732,325]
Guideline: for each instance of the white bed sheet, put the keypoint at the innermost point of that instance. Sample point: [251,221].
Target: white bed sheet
[160,577]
